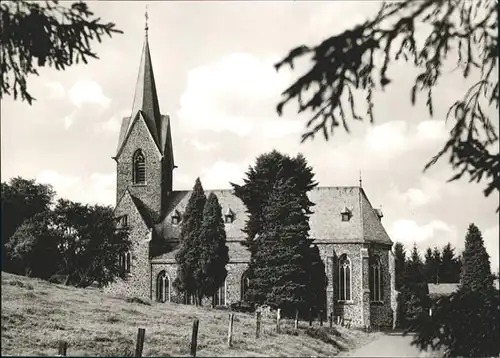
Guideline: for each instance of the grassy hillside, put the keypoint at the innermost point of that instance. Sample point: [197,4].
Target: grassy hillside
[37,314]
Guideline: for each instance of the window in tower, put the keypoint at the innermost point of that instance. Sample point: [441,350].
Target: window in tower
[139,172]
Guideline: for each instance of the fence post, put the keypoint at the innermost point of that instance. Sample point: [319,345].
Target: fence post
[141,332]
[194,337]
[230,331]
[331,319]
[257,328]
[310,317]
[278,317]
[63,347]
[296,319]
[321,318]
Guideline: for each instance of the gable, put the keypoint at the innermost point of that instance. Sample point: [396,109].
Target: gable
[373,230]
[137,136]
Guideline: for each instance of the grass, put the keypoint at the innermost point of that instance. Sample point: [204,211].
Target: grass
[37,314]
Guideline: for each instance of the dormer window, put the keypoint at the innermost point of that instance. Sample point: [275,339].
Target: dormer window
[228,216]
[346,214]
[176,217]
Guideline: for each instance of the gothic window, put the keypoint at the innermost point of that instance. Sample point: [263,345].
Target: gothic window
[375,279]
[125,259]
[245,283]
[220,296]
[139,167]
[344,278]
[163,287]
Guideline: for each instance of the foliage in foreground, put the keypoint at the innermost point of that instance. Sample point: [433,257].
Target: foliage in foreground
[345,67]
[467,322]
[36,34]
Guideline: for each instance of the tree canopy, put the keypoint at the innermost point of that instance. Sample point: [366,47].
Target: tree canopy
[346,66]
[37,34]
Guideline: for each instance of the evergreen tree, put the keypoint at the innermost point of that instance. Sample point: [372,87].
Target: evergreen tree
[428,266]
[436,254]
[415,268]
[214,252]
[449,270]
[188,256]
[471,316]
[275,194]
[400,264]
[317,282]
[259,183]
[476,273]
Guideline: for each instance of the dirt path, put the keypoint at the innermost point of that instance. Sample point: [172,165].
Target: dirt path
[391,345]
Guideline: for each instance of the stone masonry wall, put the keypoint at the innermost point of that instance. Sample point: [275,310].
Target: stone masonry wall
[382,312]
[233,281]
[149,193]
[137,282]
[353,309]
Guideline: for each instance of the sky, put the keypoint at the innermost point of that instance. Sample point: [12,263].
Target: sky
[213,65]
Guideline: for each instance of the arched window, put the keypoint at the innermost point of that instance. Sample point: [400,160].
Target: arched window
[163,287]
[245,282]
[375,279]
[124,261]
[220,296]
[139,167]
[344,278]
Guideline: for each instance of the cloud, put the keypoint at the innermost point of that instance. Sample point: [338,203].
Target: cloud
[204,147]
[427,192]
[98,188]
[62,184]
[221,174]
[409,232]
[231,95]
[86,91]
[113,124]
[102,189]
[55,90]
[491,242]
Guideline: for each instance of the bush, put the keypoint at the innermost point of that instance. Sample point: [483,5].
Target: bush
[242,306]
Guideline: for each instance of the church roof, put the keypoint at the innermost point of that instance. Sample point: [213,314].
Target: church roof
[326,221]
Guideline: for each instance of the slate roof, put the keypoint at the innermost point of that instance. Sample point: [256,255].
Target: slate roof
[325,222]
[237,253]
[143,210]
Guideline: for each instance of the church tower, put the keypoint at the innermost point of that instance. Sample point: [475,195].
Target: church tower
[144,156]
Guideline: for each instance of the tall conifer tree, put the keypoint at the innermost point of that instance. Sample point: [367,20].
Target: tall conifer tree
[188,256]
[275,194]
[400,263]
[214,252]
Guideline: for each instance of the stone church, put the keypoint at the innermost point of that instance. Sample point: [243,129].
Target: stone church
[348,231]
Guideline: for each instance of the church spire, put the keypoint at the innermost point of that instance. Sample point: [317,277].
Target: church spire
[145,97]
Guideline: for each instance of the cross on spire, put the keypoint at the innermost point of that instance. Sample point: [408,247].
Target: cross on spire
[146,17]
[360,180]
